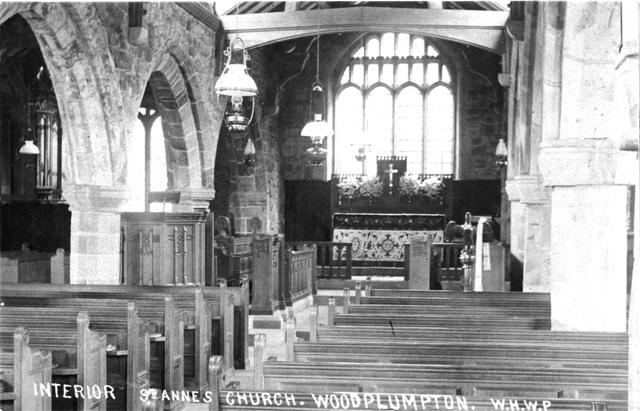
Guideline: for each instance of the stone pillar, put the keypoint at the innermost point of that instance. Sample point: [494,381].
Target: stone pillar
[517,227]
[249,209]
[627,97]
[533,236]
[588,180]
[95,233]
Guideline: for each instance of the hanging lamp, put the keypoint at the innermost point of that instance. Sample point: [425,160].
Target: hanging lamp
[250,153]
[28,148]
[317,128]
[501,154]
[236,83]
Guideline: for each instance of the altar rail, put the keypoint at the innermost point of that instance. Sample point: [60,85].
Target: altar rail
[333,258]
[449,268]
[449,260]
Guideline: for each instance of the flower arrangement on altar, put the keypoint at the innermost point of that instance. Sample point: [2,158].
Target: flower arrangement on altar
[412,185]
[354,187]
[371,187]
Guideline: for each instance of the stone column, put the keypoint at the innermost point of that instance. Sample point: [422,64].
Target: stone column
[517,228]
[588,180]
[627,98]
[533,236]
[95,233]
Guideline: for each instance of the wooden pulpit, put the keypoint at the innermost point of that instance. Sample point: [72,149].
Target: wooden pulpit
[163,248]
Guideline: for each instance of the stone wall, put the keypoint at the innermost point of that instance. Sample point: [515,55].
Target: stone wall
[99,77]
[482,121]
[255,194]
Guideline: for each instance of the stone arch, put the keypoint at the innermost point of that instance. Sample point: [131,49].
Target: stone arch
[89,97]
[206,131]
[184,151]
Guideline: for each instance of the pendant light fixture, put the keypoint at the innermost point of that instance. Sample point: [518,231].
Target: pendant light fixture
[250,153]
[236,83]
[501,154]
[28,148]
[317,128]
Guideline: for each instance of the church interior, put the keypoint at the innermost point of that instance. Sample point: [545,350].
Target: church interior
[251,205]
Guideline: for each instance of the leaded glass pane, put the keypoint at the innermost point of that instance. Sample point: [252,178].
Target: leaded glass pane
[357,74]
[345,76]
[378,125]
[445,74]
[403,45]
[348,127]
[387,45]
[432,73]
[408,128]
[372,74]
[417,73]
[417,47]
[387,74]
[373,47]
[439,142]
[402,74]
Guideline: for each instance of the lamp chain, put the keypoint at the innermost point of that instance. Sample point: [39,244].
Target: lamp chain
[318,59]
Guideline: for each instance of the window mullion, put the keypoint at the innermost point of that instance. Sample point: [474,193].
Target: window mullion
[394,95]
[424,132]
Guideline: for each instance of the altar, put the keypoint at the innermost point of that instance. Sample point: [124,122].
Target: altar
[380,238]
[380,214]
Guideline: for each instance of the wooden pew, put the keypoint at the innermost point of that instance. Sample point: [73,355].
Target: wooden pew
[465,314]
[21,368]
[510,306]
[459,353]
[327,377]
[435,320]
[76,351]
[540,338]
[49,326]
[206,310]
[313,399]
[167,323]
[498,297]
[446,310]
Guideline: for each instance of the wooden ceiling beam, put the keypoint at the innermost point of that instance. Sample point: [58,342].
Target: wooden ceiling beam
[201,12]
[484,29]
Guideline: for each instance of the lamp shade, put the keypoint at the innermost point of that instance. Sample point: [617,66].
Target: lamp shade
[501,149]
[317,128]
[236,81]
[29,149]
[249,148]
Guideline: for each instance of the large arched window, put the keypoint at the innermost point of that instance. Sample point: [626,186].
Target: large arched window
[396,96]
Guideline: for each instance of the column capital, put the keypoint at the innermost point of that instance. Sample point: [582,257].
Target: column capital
[196,198]
[527,189]
[586,162]
[85,197]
